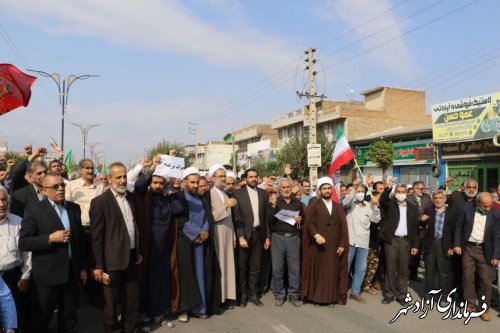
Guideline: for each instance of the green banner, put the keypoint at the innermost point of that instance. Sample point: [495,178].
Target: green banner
[404,153]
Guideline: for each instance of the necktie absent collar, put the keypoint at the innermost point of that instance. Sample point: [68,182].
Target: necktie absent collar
[480,212]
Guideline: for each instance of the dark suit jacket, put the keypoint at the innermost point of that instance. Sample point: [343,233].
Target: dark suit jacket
[491,239]
[51,262]
[17,176]
[110,239]
[450,221]
[425,202]
[21,198]
[391,220]
[243,213]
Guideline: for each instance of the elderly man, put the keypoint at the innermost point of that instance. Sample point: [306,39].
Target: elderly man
[324,279]
[116,250]
[286,246]
[52,231]
[360,215]
[199,283]
[437,244]
[477,239]
[400,236]
[223,233]
[81,191]
[423,201]
[15,265]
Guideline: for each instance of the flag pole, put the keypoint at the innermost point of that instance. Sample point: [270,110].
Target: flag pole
[362,176]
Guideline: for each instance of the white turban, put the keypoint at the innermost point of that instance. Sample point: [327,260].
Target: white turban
[160,174]
[190,171]
[323,181]
[230,174]
[214,168]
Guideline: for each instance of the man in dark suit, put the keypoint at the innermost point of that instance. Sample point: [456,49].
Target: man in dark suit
[32,192]
[437,245]
[252,229]
[52,231]
[116,250]
[477,239]
[422,201]
[400,236]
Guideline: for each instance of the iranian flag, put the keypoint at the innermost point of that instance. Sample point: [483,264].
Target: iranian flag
[341,155]
[54,145]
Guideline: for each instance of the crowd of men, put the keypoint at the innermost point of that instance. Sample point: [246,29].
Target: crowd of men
[145,247]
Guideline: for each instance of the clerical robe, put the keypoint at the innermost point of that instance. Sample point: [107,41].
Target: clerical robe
[224,238]
[324,272]
[198,284]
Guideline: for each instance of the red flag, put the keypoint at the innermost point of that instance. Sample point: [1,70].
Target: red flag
[14,88]
[342,154]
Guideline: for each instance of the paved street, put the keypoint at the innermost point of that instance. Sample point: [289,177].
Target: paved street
[354,317]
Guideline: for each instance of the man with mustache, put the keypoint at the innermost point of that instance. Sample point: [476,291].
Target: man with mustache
[437,245]
[477,239]
[116,249]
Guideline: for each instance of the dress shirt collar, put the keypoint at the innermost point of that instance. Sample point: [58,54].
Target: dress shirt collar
[81,182]
[53,204]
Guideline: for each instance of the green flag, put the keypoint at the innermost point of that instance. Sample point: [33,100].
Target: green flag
[228,138]
[104,168]
[67,161]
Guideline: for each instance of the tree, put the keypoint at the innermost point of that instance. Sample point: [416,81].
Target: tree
[295,153]
[381,153]
[271,168]
[18,157]
[164,146]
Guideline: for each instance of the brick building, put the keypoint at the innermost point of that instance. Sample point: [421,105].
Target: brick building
[382,108]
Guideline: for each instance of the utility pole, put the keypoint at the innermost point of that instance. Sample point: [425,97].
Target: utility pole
[193,129]
[310,117]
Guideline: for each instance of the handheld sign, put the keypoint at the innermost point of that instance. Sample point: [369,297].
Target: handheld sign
[287,216]
[171,166]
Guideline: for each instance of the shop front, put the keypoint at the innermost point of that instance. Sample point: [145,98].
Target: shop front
[406,167]
[478,160]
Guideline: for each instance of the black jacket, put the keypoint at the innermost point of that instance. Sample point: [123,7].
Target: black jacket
[243,213]
[51,262]
[391,219]
[450,220]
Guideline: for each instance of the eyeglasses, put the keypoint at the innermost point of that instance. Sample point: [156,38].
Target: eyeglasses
[56,186]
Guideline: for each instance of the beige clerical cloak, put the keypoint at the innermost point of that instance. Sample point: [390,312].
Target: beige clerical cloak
[224,238]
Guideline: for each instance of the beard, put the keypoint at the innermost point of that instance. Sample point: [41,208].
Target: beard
[119,189]
[220,185]
[470,194]
[326,196]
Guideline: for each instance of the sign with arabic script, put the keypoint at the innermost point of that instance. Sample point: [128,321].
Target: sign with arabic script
[313,155]
[404,153]
[170,166]
[466,119]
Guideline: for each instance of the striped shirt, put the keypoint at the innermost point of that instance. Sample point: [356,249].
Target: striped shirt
[438,226]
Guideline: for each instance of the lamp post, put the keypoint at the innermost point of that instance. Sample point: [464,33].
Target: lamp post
[63,93]
[85,132]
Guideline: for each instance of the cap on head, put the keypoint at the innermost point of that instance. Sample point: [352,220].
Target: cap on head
[214,168]
[190,171]
[324,181]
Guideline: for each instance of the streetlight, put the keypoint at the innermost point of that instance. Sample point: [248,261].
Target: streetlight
[85,132]
[63,93]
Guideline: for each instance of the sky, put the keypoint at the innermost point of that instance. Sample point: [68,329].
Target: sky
[227,64]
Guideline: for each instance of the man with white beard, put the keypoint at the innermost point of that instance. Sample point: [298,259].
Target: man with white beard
[224,235]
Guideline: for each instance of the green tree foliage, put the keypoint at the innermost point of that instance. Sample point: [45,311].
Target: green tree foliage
[164,146]
[18,157]
[295,153]
[271,168]
[381,153]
